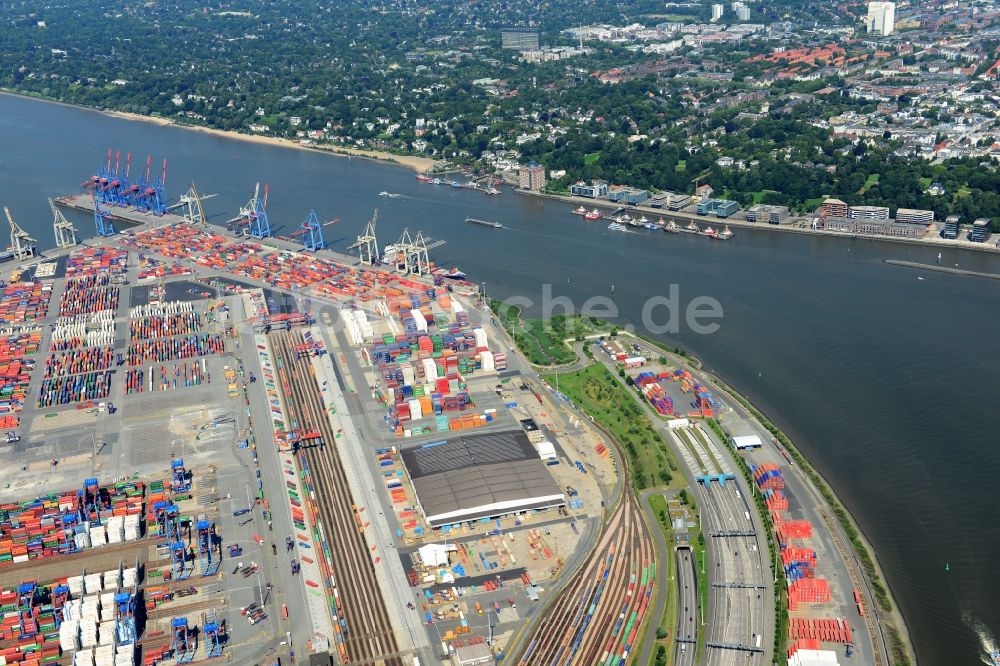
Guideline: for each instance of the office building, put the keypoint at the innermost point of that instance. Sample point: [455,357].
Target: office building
[981,229]
[881,17]
[768,214]
[520,39]
[951,228]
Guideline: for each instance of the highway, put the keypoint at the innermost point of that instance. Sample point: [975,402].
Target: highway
[688,610]
[735,617]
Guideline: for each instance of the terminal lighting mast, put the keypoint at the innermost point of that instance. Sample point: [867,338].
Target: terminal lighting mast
[21,243]
[64,230]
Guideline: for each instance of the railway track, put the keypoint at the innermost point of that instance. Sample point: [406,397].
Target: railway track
[368,637]
[598,615]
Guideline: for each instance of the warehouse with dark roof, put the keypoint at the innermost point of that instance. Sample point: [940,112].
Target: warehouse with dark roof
[479,476]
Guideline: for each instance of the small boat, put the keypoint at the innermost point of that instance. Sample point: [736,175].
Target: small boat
[672,227]
[643,220]
[491,191]
[651,226]
[436,181]
[710,232]
[455,183]
[660,223]
[391,195]
[579,211]
[455,274]
[725,234]
[484,223]
[615,226]
[592,215]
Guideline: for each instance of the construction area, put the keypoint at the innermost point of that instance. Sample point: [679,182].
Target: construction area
[234,445]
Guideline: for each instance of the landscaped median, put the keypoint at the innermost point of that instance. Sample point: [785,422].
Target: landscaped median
[543,342]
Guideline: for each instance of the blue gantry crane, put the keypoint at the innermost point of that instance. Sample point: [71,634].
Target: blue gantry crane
[312,231]
[182,643]
[252,219]
[125,616]
[206,555]
[102,219]
[178,561]
[60,595]
[150,196]
[213,640]
[181,483]
[90,501]
[27,595]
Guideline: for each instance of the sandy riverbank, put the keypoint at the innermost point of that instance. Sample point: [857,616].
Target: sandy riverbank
[419,164]
[414,162]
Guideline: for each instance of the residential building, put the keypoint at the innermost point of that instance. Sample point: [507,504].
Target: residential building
[519,39]
[881,17]
[768,214]
[914,216]
[742,11]
[952,225]
[594,190]
[868,213]
[981,229]
[874,227]
[717,12]
[833,208]
[532,176]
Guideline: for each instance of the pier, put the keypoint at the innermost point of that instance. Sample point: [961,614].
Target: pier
[941,269]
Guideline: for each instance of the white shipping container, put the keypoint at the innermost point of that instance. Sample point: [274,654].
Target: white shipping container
[480,334]
[486,360]
[415,412]
[430,369]
[456,307]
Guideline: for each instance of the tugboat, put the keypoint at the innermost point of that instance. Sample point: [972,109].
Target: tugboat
[725,234]
[691,228]
[423,178]
[579,211]
[710,232]
[592,215]
[672,227]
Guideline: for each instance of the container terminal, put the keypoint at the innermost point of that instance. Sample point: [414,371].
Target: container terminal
[245,438]
[265,446]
